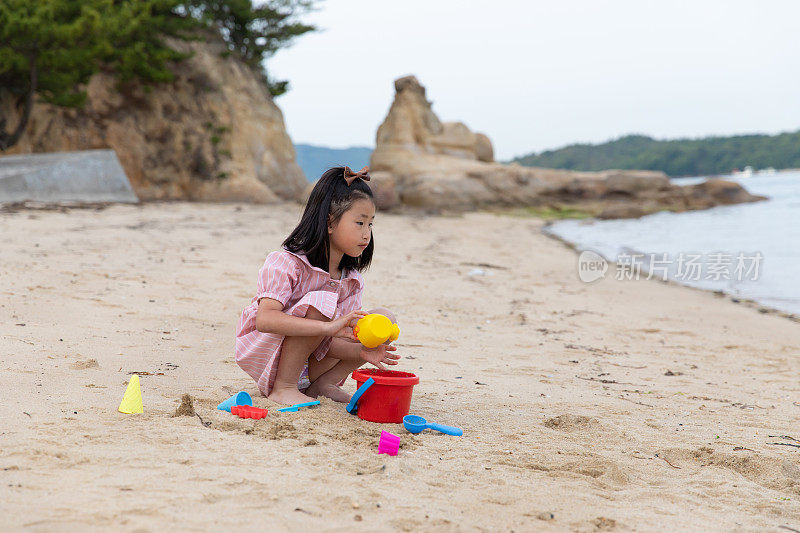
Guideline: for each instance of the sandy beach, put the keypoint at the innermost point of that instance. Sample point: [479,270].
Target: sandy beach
[620,405]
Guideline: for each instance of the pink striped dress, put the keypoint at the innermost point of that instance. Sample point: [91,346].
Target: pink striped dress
[292,280]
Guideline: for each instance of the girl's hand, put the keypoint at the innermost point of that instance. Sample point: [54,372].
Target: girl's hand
[380,355]
[343,326]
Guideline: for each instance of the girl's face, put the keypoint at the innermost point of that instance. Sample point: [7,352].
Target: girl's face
[354,230]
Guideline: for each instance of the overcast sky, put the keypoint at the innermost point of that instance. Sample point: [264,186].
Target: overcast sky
[535,75]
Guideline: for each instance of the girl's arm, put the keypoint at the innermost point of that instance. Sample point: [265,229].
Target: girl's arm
[345,350]
[378,356]
[270,318]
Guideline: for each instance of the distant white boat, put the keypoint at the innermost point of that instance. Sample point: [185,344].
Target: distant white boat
[766,171]
[746,173]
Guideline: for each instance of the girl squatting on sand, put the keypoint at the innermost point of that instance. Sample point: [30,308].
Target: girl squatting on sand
[295,339]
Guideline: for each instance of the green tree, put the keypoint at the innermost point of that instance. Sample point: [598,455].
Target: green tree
[51,48]
[256,33]
[679,157]
[135,30]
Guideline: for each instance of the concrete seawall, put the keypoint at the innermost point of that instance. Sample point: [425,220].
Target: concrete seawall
[91,176]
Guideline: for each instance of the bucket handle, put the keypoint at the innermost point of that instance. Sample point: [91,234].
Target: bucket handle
[352,407]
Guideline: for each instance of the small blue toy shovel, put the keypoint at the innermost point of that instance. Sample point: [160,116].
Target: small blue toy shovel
[296,407]
[416,424]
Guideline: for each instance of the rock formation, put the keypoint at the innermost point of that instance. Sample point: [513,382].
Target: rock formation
[412,126]
[421,162]
[214,133]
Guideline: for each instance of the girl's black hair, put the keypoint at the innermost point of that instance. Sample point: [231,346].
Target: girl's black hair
[330,196]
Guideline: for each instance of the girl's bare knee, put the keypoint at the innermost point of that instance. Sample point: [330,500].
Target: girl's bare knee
[303,344]
[317,368]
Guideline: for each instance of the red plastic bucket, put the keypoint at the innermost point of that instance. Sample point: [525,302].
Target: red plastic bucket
[389,398]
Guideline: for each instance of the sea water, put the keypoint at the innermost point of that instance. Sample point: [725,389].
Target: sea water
[750,251]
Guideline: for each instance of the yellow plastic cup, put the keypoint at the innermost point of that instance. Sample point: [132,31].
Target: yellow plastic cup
[375,329]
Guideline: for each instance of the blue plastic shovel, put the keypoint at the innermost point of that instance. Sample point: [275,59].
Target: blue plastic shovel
[415,424]
[296,407]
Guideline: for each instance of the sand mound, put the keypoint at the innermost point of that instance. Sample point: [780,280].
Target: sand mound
[769,472]
[83,365]
[599,469]
[602,523]
[569,422]
[186,408]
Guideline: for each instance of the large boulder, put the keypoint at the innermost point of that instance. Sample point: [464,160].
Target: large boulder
[723,192]
[425,163]
[214,133]
[633,182]
[411,125]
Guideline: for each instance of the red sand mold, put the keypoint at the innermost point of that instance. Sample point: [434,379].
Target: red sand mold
[247,411]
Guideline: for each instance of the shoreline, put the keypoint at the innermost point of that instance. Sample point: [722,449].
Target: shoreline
[749,303]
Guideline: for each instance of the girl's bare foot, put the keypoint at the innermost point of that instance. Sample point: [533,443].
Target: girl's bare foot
[329,390]
[288,396]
